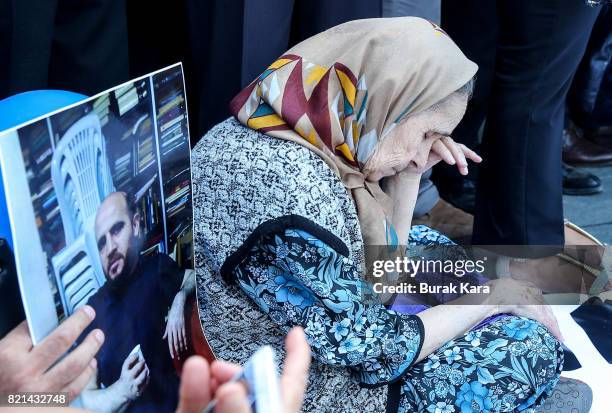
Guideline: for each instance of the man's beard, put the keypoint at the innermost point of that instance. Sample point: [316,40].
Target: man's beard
[121,281]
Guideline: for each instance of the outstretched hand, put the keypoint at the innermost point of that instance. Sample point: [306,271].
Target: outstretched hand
[200,383]
[43,368]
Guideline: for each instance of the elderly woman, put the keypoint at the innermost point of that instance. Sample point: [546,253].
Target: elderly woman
[288,192]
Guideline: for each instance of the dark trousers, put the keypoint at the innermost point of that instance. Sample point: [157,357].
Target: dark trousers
[234,41]
[75,45]
[528,52]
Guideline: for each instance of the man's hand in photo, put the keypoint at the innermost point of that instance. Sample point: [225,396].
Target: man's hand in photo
[37,369]
[175,326]
[134,377]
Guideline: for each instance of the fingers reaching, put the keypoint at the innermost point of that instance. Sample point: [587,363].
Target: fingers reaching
[232,398]
[195,392]
[59,341]
[75,363]
[295,370]
[75,387]
[223,371]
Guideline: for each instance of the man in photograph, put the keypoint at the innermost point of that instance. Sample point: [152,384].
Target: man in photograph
[134,367]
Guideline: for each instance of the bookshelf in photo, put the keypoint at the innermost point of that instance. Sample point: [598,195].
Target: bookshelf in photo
[37,145]
[174,154]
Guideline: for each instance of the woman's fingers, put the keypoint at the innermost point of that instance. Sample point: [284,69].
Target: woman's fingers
[295,370]
[457,153]
[61,339]
[142,376]
[470,153]
[138,368]
[441,150]
[73,365]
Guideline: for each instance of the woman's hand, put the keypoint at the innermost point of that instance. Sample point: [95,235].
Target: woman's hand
[445,149]
[523,299]
[507,296]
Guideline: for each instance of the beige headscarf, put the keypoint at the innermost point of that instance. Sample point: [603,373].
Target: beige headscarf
[340,92]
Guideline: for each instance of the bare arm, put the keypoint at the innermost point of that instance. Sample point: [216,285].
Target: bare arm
[175,327]
[118,396]
[448,321]
[188,284]
[403,188]
[108,400]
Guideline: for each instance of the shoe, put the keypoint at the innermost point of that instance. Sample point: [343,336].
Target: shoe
[601,136]
[576,182]
[450,221]
[579,151]
[568,396]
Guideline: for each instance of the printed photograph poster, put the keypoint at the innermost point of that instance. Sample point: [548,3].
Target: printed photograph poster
[100,208]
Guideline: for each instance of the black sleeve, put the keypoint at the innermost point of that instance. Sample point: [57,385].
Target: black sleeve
[170,277]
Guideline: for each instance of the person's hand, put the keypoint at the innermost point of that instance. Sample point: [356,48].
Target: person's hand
[200,384]
[34,369]
[523,299]
[134,377]
[175,326]
[447,150]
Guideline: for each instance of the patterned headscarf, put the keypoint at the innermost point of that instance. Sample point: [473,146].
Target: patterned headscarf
[340,92]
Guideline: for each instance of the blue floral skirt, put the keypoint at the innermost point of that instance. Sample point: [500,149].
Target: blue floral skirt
[511,364]
[506,364]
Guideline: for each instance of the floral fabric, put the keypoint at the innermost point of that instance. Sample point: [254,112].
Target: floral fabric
[510,364]
[299,280]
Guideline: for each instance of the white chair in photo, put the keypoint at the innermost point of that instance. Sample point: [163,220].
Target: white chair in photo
[77,272]
[81,174]
[82,179]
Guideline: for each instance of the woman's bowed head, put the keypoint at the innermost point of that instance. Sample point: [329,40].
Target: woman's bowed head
[420,141]
[375,98]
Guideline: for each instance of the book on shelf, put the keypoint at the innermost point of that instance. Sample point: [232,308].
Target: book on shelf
[174,101]
[170,139]
[178,194]
[172,122]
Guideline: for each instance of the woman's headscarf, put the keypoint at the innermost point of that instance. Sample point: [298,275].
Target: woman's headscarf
[340,92]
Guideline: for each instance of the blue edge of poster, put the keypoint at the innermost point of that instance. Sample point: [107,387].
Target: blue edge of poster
[22,108]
